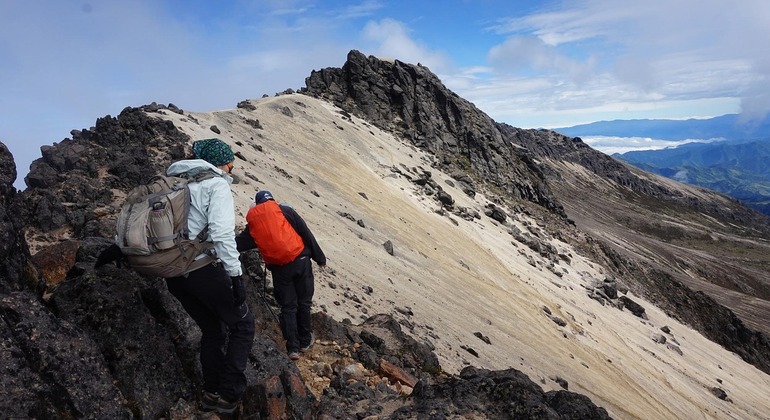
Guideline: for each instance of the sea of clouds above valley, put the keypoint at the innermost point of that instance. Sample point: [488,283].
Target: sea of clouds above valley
[611,145]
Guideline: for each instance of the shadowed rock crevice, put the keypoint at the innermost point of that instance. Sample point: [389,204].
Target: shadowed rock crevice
[15,270]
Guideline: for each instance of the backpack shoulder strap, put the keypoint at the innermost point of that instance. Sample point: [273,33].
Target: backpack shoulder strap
[198,176]
[205,175]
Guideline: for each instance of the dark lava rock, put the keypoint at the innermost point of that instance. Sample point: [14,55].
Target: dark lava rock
[506,394]
[632,306]
[51,368]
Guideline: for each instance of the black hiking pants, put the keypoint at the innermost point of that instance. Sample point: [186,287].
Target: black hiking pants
[206,294]
[293,290]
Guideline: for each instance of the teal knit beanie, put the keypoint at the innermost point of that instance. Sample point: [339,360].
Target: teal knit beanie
[213,151]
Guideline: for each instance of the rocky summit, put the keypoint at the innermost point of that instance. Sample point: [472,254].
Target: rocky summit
[476,270]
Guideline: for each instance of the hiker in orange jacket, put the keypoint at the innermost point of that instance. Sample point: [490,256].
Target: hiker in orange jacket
[287,245]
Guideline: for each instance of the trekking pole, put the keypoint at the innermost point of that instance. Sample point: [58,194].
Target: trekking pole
[263,295]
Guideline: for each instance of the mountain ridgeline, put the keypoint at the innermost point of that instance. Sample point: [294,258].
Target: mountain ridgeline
[411,101]
[732,127]
[108,343]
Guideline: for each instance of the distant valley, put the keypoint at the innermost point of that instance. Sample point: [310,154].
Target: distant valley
[730,156]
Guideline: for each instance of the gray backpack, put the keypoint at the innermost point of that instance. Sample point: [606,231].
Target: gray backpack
[152,228]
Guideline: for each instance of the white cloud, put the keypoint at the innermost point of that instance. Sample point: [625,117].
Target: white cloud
[391,38]
[636,72]
[637,52]
[554,27]
[363,9]
[531,55]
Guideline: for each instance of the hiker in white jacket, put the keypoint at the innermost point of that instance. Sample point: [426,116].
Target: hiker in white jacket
[214,295]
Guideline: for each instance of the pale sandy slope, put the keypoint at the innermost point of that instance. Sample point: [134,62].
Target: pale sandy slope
[462,277]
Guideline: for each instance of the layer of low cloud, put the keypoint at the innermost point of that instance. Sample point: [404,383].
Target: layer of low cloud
[611,145]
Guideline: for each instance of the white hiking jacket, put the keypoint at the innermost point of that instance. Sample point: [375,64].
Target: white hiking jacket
[212,203]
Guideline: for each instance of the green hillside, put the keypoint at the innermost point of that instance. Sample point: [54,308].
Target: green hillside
[739,170]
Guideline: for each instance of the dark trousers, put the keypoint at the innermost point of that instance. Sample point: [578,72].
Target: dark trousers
[293,289]
[206,294]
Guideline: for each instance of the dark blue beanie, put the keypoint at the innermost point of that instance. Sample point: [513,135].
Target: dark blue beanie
[263,196]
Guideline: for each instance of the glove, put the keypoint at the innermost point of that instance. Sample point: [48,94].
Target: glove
[110,254]
[239,292]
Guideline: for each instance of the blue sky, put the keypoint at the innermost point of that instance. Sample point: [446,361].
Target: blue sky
[63,63]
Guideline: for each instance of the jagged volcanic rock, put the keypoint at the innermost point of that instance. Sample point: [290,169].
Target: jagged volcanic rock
[412,101]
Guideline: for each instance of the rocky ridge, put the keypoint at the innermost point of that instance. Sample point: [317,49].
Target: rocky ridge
[112,344]
[412,102]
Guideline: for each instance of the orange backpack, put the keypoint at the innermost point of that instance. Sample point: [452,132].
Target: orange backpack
[276,239]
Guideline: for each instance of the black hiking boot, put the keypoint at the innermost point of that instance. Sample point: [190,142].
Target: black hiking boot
[305,349]
[214,402]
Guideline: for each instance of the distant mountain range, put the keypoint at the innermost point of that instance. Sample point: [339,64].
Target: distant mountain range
[738,164]
[729,127]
